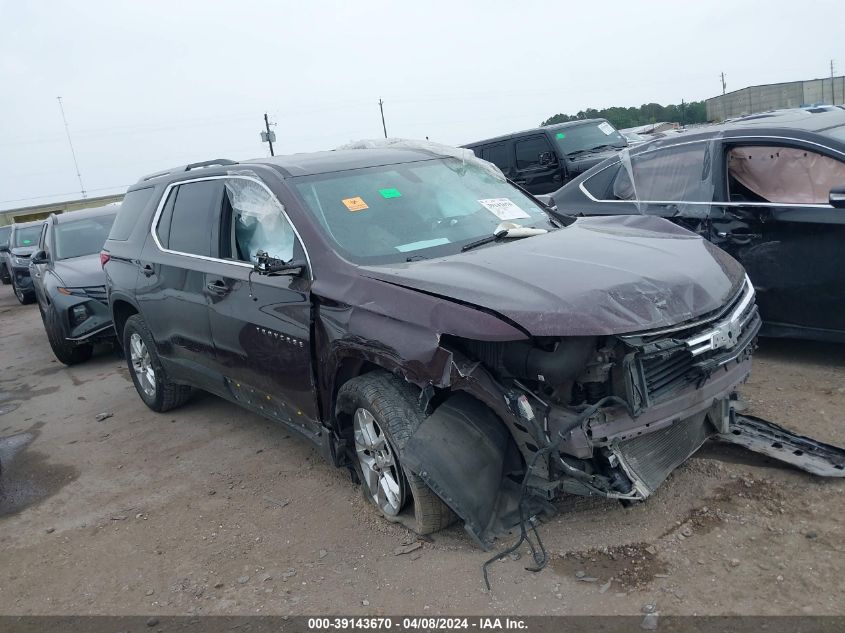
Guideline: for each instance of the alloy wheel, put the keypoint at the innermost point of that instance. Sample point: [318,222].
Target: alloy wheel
[139,356]
[379,465]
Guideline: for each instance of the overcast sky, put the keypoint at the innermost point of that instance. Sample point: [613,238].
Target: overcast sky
[148,85]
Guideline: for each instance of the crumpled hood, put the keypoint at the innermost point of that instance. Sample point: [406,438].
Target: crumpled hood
[23,251]
[78,272]
[598,276]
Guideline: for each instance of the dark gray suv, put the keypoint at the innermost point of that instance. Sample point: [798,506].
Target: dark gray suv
[431,327]
[69,283]
[15,254]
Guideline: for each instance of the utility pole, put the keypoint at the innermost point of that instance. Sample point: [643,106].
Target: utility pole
[724,85]
[269,136]
[683,117]
[381,107]
[832,89]
[72,152]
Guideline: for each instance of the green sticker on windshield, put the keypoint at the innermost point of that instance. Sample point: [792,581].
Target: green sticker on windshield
[27,242]
[560,135]
[390,193]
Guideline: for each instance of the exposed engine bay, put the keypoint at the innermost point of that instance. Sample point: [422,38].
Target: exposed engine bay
[611,416]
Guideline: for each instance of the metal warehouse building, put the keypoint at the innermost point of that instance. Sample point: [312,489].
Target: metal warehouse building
[792,94]
[37,212]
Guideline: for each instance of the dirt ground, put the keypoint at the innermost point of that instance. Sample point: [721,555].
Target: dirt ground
[211,510]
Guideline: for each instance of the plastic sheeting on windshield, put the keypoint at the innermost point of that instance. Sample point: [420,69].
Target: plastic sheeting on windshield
[466,156]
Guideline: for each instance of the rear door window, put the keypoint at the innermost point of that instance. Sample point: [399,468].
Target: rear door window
[680,173]
[528,151]
[193,219]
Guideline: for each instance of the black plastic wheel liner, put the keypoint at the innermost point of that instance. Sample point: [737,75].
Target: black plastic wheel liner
[464,453]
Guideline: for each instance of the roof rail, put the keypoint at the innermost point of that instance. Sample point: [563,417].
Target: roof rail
[206,163]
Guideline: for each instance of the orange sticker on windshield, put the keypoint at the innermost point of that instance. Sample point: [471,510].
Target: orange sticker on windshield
[355,204]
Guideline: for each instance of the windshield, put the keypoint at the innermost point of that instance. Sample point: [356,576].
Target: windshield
[27,236]
[580,138]
[82,237]
[394,213]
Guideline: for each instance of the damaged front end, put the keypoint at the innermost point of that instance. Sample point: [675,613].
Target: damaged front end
[610,415]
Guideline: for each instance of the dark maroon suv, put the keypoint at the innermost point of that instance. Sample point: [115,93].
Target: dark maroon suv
[431,327]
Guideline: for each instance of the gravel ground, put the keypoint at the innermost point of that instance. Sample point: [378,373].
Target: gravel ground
[212,510]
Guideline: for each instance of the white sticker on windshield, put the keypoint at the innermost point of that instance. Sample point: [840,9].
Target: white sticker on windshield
[503,208]
[415,246]
[606,127]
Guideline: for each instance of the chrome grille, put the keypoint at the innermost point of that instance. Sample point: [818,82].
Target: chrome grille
[667,361]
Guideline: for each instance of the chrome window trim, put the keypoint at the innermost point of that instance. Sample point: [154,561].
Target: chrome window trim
[790,205]
[166,194]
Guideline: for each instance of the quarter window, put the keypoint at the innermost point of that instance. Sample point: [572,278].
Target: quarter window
[528,152]
[130,210]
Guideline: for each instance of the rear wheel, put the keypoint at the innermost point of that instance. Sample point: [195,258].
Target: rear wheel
[384,416]
[151,382]
[66,351]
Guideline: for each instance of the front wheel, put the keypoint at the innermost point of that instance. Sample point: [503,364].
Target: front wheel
[151,383]
[5,277]
[66,351]
[384,416]
[21,295]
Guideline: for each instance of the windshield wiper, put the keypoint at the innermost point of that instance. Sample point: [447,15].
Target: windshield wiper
[505,229]
[485,240]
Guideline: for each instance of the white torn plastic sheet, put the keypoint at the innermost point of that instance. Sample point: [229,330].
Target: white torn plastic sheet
[466,156]
[259,221]
[680,174]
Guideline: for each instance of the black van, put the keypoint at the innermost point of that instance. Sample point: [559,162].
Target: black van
[543,159]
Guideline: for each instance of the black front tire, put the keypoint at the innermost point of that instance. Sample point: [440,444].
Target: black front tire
[167,394]
[66,351]
[23,297]
[5,277]
[393,404]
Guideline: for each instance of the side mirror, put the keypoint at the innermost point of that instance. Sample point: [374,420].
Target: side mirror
[4,247]
[546,158]
[39,257]
[837,197]
[267,265]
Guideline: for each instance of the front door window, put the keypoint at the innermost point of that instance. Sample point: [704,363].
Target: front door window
[783,175]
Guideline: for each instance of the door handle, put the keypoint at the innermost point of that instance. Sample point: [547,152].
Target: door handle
[147,269]
[217,287]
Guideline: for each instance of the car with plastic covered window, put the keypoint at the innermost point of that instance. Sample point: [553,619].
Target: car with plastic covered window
[767,188]
[69,283]
[429,326]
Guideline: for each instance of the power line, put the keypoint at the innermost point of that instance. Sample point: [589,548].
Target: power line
[72,152]
[66,193]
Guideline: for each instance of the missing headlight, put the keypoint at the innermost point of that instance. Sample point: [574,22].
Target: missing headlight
[78,314]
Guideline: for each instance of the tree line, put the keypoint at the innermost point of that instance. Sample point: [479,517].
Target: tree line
[684,113]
